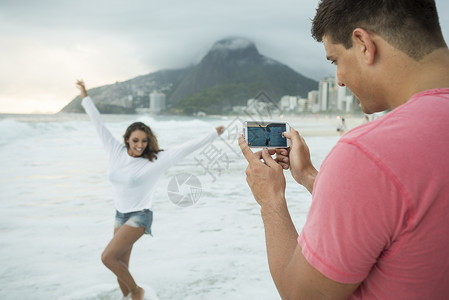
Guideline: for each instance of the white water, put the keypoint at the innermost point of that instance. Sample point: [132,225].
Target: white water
[57,215]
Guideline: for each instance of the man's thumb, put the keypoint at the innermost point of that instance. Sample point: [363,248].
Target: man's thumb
[293,135]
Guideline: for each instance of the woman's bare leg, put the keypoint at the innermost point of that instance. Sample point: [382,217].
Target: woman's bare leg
[125,260]
[122,242]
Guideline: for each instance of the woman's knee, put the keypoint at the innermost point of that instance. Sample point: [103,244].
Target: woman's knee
[107,258]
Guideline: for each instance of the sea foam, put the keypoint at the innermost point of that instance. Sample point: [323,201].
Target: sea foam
[58,215]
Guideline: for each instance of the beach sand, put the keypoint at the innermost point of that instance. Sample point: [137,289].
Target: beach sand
[309,124]
[322,125]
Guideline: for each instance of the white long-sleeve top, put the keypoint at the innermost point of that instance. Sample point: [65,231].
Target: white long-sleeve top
[134,178]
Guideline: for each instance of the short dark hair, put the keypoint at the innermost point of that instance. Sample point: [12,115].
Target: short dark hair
[152,149]
[411,26]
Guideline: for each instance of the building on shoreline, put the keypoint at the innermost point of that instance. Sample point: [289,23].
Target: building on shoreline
[335,98]
[329,98]
[157,102]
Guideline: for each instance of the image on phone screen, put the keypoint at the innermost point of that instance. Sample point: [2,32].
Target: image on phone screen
[266,134]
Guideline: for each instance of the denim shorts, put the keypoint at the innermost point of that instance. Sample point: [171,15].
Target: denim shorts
[141,218]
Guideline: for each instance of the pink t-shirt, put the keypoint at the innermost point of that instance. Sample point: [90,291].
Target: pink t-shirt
[380,209]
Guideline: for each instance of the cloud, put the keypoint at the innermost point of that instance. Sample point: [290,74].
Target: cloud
[50,44]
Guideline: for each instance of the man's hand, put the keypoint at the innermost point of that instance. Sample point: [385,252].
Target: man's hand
[266,179]
[297,158]
[281,157]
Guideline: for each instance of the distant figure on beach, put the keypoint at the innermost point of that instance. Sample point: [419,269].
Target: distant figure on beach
[342,126]
[134,167]
[378,225]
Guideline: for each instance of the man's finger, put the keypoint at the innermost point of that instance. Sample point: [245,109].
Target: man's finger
[269,161]
[272,151]
[258,154]
[292,135]
[281,151]
[283,165]
[249,155]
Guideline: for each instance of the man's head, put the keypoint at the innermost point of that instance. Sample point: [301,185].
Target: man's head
[411,26]
[379,46]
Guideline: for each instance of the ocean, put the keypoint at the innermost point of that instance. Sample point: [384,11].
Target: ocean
[57,212]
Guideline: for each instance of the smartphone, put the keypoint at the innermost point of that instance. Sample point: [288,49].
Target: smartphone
[261,134]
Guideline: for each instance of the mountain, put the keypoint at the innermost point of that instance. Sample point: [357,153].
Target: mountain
[232,72]
[115,98]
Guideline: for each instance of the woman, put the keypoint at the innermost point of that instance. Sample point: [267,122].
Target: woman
[134,168]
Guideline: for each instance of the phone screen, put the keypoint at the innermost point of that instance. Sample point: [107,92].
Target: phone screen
[266,134]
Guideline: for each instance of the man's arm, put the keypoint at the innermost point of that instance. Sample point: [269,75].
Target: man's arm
[293,276]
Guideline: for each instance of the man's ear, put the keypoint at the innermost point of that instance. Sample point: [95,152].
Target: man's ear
[364,44]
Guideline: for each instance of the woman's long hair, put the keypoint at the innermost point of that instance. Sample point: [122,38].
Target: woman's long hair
[152,148]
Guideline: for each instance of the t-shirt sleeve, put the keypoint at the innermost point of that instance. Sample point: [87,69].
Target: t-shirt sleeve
[110,143]
[351,221]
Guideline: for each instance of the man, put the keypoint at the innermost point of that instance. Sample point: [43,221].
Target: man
[378,226]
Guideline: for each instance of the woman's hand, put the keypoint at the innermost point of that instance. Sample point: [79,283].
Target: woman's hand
[80,85]
[220,130]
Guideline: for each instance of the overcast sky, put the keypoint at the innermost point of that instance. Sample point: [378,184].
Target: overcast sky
[45,46]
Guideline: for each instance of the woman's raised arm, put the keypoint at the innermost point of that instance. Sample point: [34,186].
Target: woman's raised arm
[80,85]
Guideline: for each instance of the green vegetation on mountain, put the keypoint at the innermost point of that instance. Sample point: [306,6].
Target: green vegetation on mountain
[232,72]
